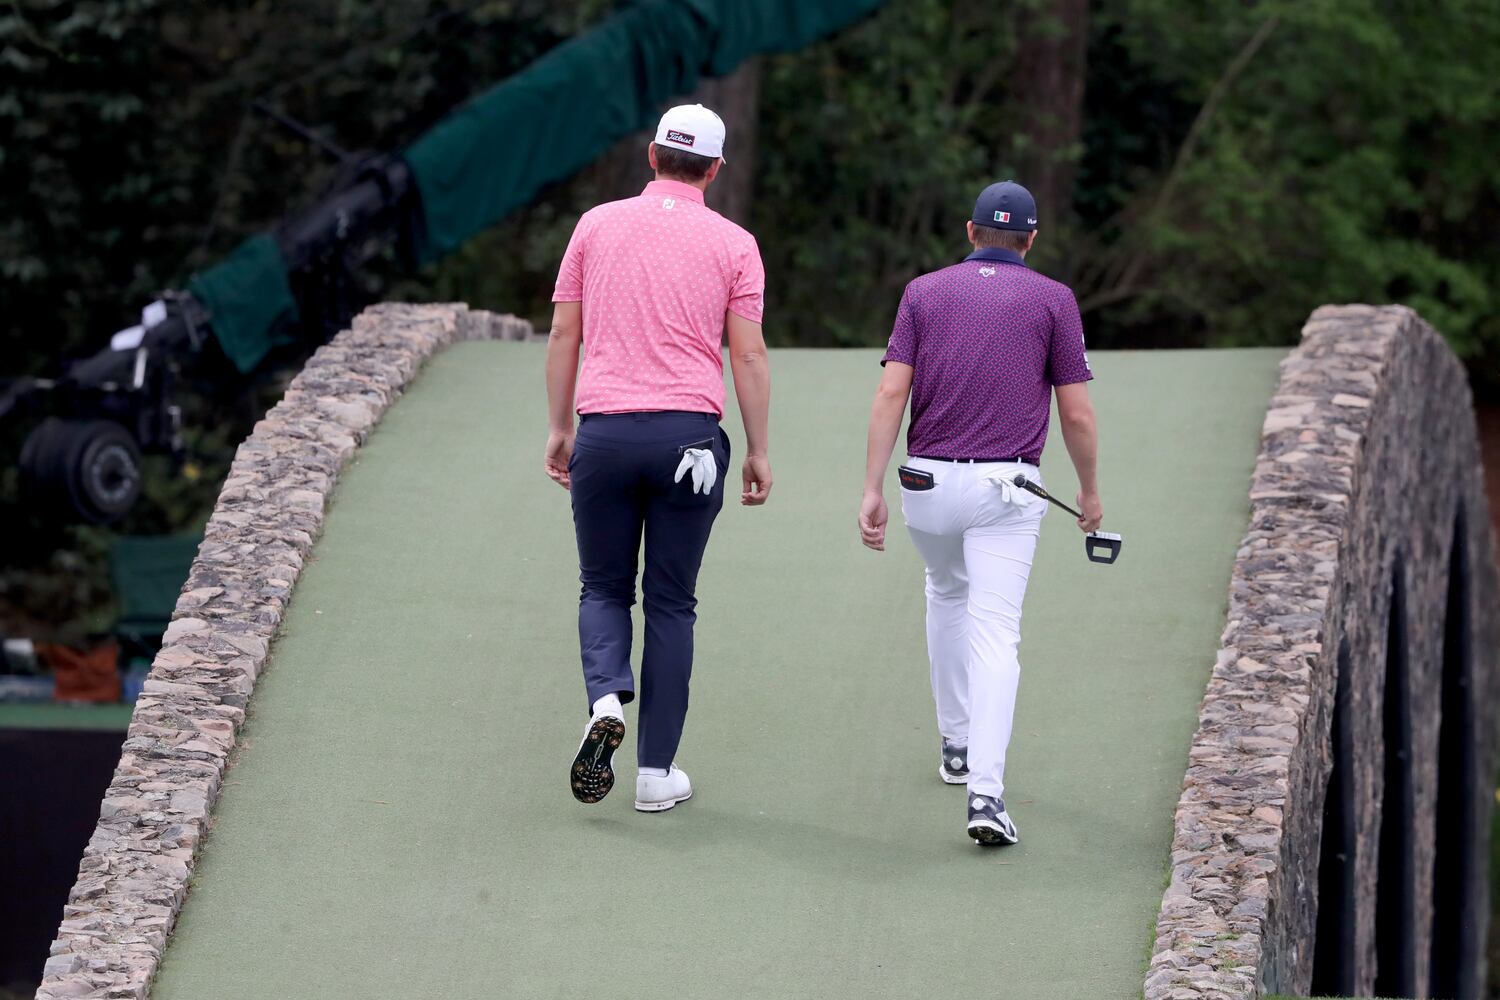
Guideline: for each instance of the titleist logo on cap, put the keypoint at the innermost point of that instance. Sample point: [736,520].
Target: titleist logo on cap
[675,136]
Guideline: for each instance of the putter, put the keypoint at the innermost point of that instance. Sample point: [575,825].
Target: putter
[1099,546]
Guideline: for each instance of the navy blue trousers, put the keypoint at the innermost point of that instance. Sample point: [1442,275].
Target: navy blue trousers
[622,489]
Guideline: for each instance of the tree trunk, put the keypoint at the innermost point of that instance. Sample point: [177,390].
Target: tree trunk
[1048,84]
[736,98]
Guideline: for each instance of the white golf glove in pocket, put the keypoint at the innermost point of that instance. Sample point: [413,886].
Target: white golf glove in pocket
[1009,492]
[705,470]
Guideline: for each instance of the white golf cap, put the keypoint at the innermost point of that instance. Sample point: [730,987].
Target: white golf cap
[693,128]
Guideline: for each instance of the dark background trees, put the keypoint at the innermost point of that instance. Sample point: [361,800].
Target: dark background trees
[1207,173]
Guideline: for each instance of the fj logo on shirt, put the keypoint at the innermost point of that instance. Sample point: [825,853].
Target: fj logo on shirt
[1002,216]
[675,136]
[668,202]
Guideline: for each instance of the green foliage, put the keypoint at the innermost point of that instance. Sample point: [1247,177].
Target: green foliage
[1354,158]
[129,156]
[873,146]
[1351,157]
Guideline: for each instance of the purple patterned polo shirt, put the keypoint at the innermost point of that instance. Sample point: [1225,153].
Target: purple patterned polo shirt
[987,339]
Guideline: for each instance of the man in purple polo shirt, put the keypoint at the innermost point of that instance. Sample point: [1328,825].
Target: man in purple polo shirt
[979,347]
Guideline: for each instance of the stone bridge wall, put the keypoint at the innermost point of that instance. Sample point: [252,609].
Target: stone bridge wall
[1331,829]
[134,875]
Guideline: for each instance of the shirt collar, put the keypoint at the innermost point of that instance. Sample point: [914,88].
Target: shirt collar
[673,189]
[1000,254]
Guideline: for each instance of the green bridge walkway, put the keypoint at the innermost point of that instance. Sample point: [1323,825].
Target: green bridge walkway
[398,822]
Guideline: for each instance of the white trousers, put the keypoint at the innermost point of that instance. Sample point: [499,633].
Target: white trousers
[977,534]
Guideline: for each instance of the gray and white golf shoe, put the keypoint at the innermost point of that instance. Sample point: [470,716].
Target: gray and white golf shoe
[954,767]
[989,823]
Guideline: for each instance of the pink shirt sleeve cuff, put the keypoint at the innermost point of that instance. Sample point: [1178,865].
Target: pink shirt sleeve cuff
[745,310]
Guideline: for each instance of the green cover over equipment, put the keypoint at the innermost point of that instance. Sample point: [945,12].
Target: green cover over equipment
[553,118]
[496,152]
[249,301]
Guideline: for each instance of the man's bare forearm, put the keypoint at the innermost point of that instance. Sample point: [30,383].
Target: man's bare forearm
[1082,438]
[751,366]
[752,387]
[562,364]
[885,425]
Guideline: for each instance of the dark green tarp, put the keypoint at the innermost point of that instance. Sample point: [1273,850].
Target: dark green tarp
[249,301]
[540,126]
[752,27]
[495,153]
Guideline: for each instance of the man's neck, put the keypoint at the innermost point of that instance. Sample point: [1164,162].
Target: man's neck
[978,248]
[701,183]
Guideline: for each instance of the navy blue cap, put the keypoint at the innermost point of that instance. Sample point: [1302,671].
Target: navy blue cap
[1006,205]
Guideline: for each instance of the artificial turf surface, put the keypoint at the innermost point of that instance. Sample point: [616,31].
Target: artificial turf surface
[57,715]
[398,821]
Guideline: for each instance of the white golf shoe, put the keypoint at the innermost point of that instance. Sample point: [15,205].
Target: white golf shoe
[655,794]
[591,775]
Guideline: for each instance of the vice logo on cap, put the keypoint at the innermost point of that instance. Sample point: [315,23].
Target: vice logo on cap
[675,136]
[1002,216]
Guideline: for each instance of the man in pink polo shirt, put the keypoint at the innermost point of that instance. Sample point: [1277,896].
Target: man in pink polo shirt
[647,288]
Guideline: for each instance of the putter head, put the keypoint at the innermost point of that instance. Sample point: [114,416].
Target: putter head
[1102,546]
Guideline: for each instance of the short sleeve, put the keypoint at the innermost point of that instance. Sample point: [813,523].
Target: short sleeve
[569,286]
[1067,358]
[747,296]
[903,346]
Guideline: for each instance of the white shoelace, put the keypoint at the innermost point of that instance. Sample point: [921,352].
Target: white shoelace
[705,469]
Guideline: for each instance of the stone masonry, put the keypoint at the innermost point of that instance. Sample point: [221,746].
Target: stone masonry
[134,875]
[1368,458]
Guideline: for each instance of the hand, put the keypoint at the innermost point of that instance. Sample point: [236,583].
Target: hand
[873,516]
[559,450]
[757,479]
[1093,511]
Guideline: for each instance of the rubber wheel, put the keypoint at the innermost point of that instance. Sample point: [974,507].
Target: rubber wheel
[42,462]
[103,470]
[87,470]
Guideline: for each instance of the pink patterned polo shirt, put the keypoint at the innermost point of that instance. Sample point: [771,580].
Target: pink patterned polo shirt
[655,274]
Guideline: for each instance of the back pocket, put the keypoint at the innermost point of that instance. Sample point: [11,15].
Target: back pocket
[694,471]
[915,480]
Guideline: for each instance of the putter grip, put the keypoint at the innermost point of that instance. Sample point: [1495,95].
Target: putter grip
[1031,487]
